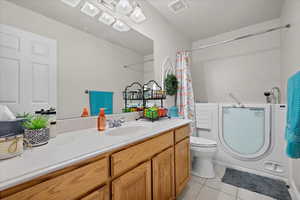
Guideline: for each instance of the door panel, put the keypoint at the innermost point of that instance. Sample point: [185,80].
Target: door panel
[182,164]
[163,175]
[134,185]
[27,70]
[9,41]
[9,81]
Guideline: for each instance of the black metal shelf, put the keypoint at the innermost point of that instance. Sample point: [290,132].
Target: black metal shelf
[146,89]
[134,99]
[156,99]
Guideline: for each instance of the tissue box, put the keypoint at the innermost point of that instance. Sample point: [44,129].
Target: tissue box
[11,127]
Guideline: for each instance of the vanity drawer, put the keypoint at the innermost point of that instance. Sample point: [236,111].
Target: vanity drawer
[71,185]
[182,133]
[134,155]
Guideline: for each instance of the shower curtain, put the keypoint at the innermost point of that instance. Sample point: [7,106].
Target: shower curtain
[185,95]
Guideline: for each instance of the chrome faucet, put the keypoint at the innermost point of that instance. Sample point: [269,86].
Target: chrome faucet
[276,95]
[236,100]
[112,123]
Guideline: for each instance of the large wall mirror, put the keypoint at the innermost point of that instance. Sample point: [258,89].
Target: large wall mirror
[55,55]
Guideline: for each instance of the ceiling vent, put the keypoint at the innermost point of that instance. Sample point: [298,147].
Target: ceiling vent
[178,6]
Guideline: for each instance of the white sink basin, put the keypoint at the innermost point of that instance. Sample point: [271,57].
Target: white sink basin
[126,130]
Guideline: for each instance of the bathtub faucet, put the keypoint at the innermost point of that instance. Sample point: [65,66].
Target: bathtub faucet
[273,96]
[275,91]
[236,100]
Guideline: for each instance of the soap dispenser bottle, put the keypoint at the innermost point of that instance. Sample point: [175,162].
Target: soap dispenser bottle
[101,120]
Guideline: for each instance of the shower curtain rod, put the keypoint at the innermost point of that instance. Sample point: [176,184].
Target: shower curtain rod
[240,38]
[221,42]
[138,63]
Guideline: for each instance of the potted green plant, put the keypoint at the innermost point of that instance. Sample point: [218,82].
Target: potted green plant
[171,86]
[36,130]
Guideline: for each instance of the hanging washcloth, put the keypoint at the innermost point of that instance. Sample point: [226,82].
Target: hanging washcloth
[99,100]
[293,117]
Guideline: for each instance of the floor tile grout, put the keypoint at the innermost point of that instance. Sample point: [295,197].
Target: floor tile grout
[200,186]
[235,196]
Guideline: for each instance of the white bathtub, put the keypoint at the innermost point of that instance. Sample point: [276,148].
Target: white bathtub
[265,132]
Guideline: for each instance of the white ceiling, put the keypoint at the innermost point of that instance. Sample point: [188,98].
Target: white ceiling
[206,18]
[57,10]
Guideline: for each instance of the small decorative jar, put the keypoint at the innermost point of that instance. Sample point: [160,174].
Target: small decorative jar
[11,146]
[37,137]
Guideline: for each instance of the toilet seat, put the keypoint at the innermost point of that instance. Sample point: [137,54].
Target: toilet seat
[202,142]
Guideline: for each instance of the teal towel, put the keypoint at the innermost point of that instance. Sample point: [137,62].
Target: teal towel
[293,117]
[99,100]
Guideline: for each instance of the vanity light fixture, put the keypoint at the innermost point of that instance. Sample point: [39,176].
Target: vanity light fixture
[137,15]
[72,3]
[131,9]
[120,26]
[107,1]
[90,10]
[107,19]
[124,7]
[178,6]
[110,4]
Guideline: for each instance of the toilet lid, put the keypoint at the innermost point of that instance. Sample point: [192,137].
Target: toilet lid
[202,142]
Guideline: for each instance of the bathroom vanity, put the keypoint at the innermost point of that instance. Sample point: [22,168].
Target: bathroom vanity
[152,162]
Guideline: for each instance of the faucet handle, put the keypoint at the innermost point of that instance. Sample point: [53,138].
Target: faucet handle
[122,120]
[110,123]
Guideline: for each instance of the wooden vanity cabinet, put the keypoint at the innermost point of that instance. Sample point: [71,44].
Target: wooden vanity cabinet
[133,155]
[134,185]
[100,194]
[163,175]
[157,168]
[182,164]
[70,185]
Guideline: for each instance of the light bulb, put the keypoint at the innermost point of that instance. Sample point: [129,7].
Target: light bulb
[124,7]
[106,19]
[90,9]
[72,3]
[137,15]
[121,26]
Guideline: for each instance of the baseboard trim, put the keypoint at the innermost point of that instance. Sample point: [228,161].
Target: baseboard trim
[260,173]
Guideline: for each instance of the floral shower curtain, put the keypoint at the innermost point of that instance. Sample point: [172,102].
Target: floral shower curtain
[185,95]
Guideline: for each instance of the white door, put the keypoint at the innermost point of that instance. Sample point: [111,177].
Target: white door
[27,70]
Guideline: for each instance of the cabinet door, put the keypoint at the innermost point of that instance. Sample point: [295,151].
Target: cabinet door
[163,175]
[134,185]
[182,164]
[101,194]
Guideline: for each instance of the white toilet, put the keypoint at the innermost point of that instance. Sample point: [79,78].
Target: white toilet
[203,151]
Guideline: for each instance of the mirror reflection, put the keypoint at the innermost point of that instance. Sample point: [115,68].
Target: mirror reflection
[80,60]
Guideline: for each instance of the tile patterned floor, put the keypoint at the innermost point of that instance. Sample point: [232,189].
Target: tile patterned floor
[214,189]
